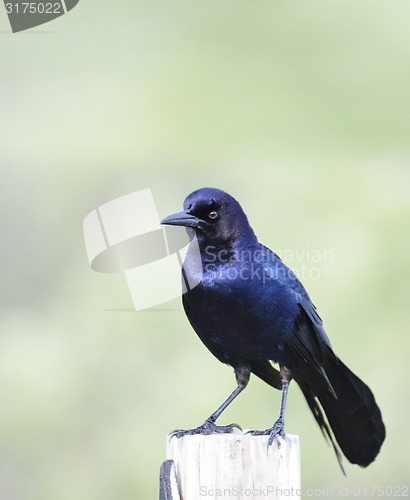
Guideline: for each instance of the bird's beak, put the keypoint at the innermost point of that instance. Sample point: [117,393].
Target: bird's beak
[183,219]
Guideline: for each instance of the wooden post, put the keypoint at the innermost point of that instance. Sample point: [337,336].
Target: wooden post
[168,486]
[236,465]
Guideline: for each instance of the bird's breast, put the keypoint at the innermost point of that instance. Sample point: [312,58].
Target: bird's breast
[239,314]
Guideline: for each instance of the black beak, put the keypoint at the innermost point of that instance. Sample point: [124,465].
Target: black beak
[183,219]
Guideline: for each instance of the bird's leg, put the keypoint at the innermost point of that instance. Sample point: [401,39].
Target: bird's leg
[242,374]
[278,428]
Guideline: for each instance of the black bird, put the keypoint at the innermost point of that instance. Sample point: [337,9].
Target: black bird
[250,309]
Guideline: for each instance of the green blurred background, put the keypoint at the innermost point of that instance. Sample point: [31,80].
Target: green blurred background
[301,110]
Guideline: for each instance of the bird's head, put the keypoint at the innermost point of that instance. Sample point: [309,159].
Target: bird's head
[214,217]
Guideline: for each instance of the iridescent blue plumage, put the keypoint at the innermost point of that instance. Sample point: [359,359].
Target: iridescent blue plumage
[250,309]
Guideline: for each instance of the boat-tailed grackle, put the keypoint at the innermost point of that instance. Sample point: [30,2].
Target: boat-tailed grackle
[250,309]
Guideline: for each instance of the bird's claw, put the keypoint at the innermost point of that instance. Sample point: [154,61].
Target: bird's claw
[208,427]
[278,429]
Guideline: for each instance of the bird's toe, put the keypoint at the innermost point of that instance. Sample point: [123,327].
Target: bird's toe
[207,428]
[278,429]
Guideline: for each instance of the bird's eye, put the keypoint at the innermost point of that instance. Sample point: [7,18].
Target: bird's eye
[213,215]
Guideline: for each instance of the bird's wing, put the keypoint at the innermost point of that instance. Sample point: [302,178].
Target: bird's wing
[289,279]
[310,345]
[307,305]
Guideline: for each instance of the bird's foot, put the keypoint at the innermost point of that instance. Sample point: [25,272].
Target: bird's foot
[208,427]
[278,429]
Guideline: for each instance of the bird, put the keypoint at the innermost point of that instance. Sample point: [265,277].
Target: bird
[252,312]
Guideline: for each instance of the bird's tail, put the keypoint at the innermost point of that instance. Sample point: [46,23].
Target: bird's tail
[353,414]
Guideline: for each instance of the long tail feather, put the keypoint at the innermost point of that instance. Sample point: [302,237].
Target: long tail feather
[353,415]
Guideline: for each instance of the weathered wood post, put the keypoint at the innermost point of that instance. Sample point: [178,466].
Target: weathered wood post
[236,465]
